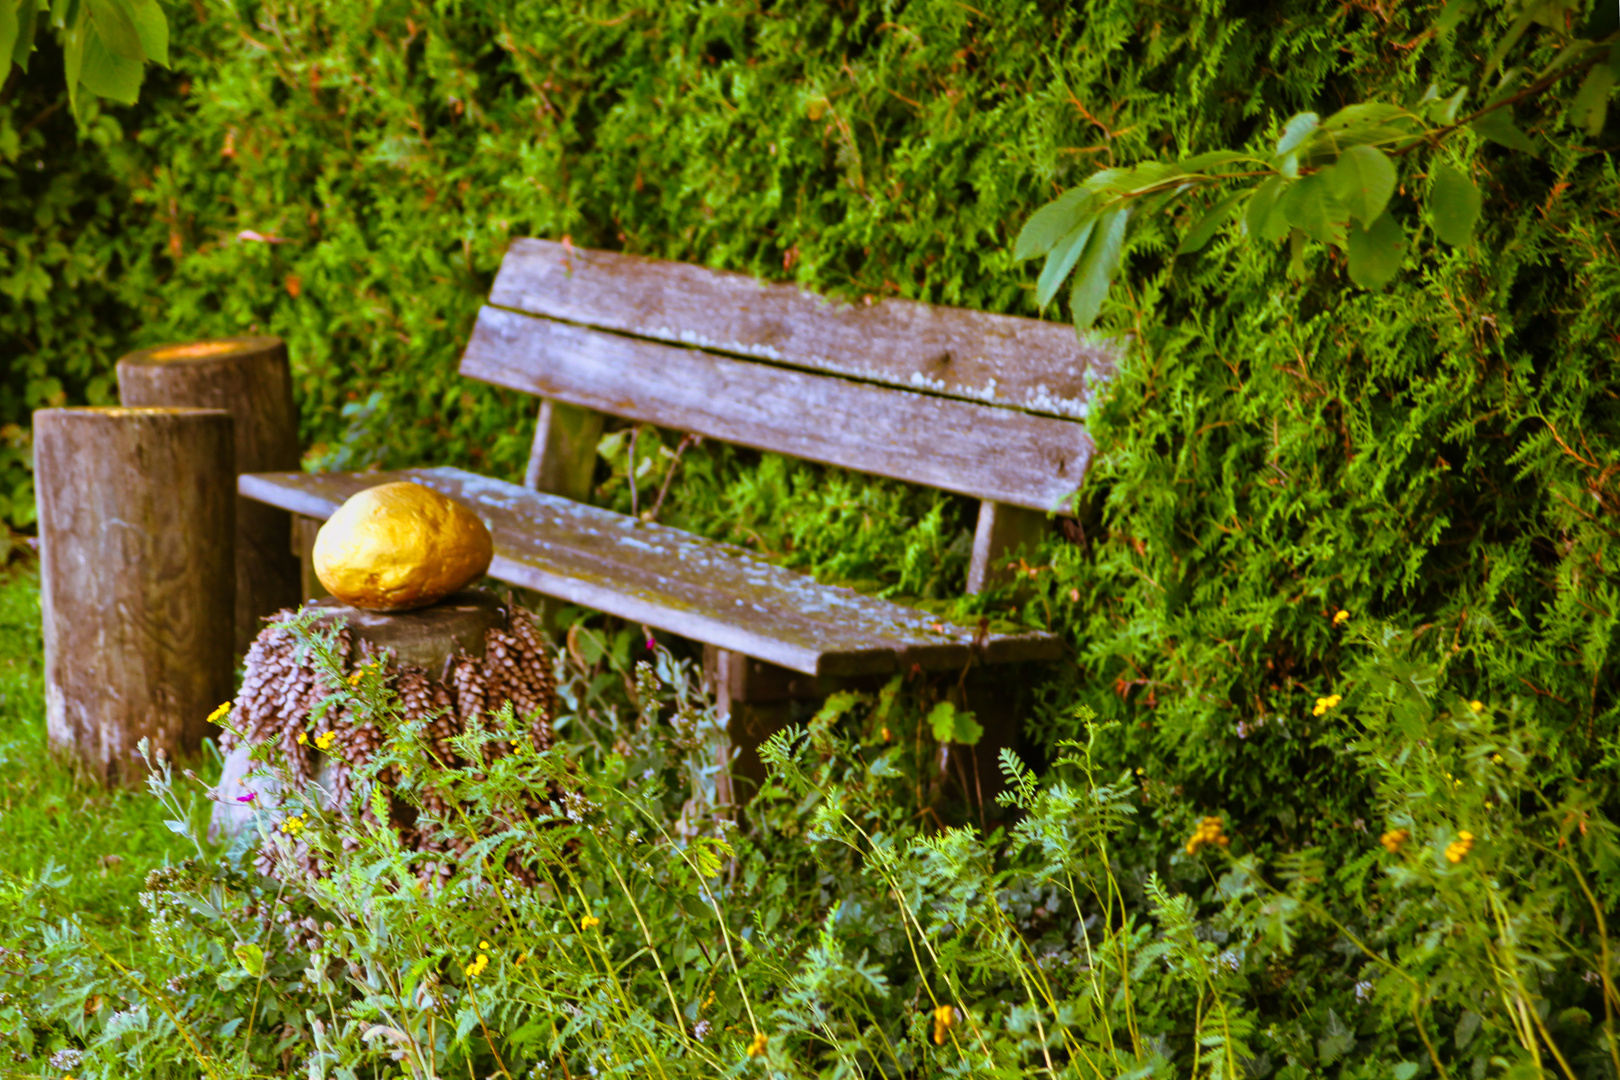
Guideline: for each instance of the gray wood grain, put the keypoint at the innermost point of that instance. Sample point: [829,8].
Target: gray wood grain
[663,577]
[999,454]
[997,359]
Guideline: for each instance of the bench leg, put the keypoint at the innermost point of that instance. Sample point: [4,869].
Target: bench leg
[1001,532]
[755,700]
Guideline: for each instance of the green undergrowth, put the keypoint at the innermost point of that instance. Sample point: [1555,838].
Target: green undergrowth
[88,845]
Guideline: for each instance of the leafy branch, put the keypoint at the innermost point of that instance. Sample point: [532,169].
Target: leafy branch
[106,44]
[1328,181]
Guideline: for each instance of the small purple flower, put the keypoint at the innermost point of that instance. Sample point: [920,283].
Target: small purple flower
[249,797]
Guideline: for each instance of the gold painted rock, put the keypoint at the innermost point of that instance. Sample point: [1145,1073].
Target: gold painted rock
[399,546]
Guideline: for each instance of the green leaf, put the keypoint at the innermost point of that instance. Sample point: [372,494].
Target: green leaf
[107,74]
[1201,162]
[1499,127]
[1201,233]
[1296,131]
[1376,252]
[1404,1070]
[950,725]
[1309,206]
[1050,224]
[1454,204]
[1445,111]
[9,25]
[1362,180]
[1097,268]
[27,22]
[1452,14]
[153,29]
[1062,260]
[1264,219]
[1591,105]
[250,956]
[1514,33]
[115,26]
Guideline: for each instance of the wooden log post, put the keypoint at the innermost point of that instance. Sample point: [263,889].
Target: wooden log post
[136,527]
[248,377]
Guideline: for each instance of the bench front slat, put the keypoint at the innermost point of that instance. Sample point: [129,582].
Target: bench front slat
[996,359]
[998,454]
[674,581]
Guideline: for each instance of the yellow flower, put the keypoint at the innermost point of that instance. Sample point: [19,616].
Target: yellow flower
[324,741]
[302,738]
[1323,704]
[1460,847]
[219,714]
[1477,706]
[483,944]
[1211,830]
[354,680]
[589,921]
[1341,617]
[522,956]
[476,968]
[944,1020]
[1497,758]
[757,1047]
[293,825]
[1394,839]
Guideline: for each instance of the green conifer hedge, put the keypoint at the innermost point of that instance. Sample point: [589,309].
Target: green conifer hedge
[1441,457]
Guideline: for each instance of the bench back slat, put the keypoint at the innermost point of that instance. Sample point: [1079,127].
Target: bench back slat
[996,359]
[998,454]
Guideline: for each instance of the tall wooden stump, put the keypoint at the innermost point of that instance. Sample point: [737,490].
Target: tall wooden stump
[136,527]
[249,378]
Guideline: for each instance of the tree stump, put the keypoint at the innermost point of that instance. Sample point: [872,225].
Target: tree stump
[248,377]
[136,528]
[430,642]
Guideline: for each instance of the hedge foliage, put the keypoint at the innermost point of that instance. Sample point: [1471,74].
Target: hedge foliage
[1442,456]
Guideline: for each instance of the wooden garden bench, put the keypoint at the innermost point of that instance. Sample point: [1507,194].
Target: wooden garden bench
[987,406]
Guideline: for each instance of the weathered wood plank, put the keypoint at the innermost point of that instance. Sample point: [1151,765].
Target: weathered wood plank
[999,454]
[672,580]
[997,359]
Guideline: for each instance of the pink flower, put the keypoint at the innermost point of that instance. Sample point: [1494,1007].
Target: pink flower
[249,797]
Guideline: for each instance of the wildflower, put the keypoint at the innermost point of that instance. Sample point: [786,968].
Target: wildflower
[219,714]
[522,956]
[324,741]
[589,921]
[1074,595]
[944,1020]
[293,825]
[1341,617]
[249,797]
[1323,704]
[354,680]
[1496,759]
[1477,706]
[757,1047]
[483,945]
[476,968]
[1210,830]
[1394,839]
[1460,847]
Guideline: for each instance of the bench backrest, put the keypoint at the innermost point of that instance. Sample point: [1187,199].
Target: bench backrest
[979,404]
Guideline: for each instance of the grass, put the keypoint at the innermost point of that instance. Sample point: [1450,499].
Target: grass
[96,844]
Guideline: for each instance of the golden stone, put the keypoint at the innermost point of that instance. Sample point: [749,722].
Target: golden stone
[399,546]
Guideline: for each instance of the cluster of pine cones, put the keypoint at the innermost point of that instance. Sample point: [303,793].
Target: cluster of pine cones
[281,692]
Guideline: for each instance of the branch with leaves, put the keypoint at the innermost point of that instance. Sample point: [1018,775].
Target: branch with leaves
[106,44]
[1327,181]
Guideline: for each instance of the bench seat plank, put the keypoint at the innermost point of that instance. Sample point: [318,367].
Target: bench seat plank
[999,454]
[996,359]
[673,580]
